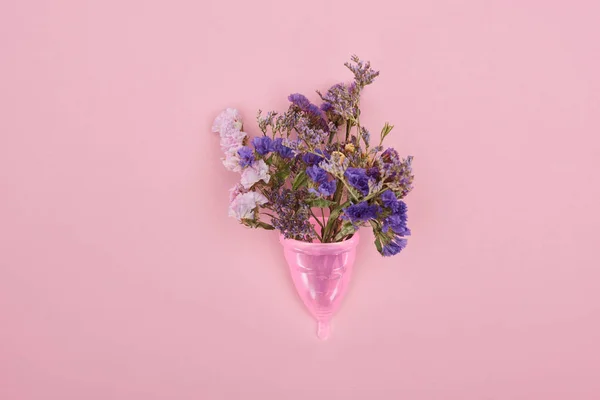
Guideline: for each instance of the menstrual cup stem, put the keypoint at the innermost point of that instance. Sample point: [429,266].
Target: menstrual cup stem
[323,329]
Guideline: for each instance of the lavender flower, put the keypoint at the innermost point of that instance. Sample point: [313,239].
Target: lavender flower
[388,198]
[396,221]
[326,107]
[263,145]
[313,137]
[339,103]
[312,158]
[366,135]
[281,149]
[318,175]
[373,173]
[314,114]
[361,212]
[246,156]
[299,100]
[327,188]
[292,214]
[390,157]
[357,178]
[363,73]
[396,173]
[397,224]
[292,144]
[336,165]
[393,247]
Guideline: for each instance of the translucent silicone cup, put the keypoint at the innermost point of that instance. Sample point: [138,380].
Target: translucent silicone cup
[321,273]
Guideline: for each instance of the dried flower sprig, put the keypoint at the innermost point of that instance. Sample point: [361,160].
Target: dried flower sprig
[313,174]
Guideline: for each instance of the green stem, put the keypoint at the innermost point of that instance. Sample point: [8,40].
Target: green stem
[316,218]
[336,199]
[347,130]
[358,131]
[331,136]
[349,190]
[318,236]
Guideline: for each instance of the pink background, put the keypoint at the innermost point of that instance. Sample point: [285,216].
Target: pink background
[121,276]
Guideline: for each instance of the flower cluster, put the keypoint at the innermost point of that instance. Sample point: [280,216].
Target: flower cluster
[313,174]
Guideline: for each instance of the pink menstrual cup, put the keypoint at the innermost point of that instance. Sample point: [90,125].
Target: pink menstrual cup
[321,274]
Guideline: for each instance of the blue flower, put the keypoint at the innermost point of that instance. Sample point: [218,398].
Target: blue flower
[246,156]
[282,150]
[361,212]
[263,145]
[312,111]
[397,220]
[396,224]
[318,175]
[312,158]
[299,100]
[366,135]
[388,198]
[327,188]
[326,107]
[373,172]
[357,178]
[393,247]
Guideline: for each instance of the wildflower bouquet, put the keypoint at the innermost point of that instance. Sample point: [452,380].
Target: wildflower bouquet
[315,174]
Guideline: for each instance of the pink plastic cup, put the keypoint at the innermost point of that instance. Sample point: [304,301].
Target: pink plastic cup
[321,273]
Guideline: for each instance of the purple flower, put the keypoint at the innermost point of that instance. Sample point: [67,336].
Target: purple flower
[363,73]
[314,110]
[246,156]
[396,224]
[282,150]
[373,172]
[299,100]
[357,178]
[393,247]
[292,214]
[366,135]
[263,145]
[327,188]
[339,102]
[312,158]
[314,113]
[325,107]
[318,175]
[398,219]
[388,198]
[361,212]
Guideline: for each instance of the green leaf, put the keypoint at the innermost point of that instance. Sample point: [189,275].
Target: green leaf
[378,245]
[264,225]
[387,128]
[282,175]
[300,180]
[321,203]
[347,229]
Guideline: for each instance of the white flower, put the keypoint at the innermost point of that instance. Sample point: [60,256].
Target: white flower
[256,172]
[244,204]
[227,121]
[232,160]
[235,191]
[234,139]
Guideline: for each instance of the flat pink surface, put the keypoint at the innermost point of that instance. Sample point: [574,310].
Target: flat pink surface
[121,276]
